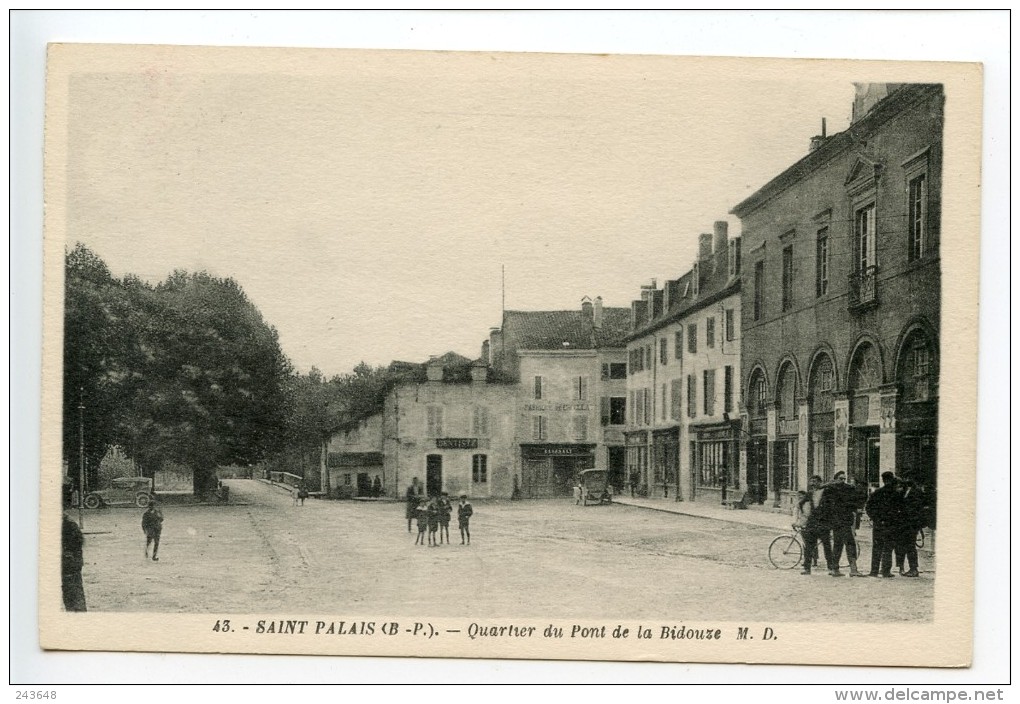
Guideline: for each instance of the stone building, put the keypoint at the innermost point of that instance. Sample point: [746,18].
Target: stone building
[841,301]
[683,354]
[570,374]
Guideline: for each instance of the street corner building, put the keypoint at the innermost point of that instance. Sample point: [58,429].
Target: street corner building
[841,302]
[683,366]
[570,370]
[446,424]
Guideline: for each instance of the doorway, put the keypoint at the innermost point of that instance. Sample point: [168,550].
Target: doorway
[617,468]
[866,451]
[364,484]
[433,475]
[757,469]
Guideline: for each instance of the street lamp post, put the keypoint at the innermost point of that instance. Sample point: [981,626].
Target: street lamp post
[81,460]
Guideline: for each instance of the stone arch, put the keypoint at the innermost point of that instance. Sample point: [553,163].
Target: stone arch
[788,388]
[866,352]
[756,402]
[822,350]
[917,325]
[787,361]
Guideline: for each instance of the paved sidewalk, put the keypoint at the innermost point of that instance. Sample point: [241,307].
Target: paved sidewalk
[767,519]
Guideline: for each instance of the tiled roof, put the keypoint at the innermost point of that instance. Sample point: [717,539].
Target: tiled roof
[550,329]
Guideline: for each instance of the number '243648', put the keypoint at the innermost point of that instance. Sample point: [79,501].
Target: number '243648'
[36,694]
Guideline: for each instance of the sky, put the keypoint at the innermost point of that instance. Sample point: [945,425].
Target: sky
[370,204]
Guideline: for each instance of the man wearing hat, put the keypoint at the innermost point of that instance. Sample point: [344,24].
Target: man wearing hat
[840,504]
[884,508]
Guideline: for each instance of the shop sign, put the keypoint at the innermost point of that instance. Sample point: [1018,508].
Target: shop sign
[565,451]
[456,443]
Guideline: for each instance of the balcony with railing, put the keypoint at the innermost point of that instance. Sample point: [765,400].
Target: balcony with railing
[863,291]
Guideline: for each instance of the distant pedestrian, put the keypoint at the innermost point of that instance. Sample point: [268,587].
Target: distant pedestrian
[816,527]
[152,526]
[464,513]
[302,494]
[421,513]
[910,522]
[633,483]
[377,486]
[72,543]
[445,509]
[432,512]
[884,508]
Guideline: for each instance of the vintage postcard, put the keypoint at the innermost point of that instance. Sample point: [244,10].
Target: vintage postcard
[493,355]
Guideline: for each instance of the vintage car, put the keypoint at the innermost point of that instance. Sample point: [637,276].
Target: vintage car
[594,487]
[123,491]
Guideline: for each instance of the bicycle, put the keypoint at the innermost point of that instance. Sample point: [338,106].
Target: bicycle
[787,551]
[919,538]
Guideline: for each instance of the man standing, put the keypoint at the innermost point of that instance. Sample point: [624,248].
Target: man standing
[152,526]
[884,508]
[816,526]
[72,542]
[911,521]
[840,505]
[464,513]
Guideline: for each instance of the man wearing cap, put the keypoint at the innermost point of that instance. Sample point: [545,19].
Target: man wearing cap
[884,508]
[840,504]
[816,526]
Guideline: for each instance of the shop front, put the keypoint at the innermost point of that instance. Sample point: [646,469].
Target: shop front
[715,472]
[665,462]
[636,443]
[550,470]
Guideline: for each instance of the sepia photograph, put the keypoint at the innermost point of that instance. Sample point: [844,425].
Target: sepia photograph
[506,355]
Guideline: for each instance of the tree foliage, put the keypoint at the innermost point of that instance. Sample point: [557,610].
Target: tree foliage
[185,371]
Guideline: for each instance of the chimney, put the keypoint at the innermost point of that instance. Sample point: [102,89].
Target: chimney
[586,309]
[495,347]
[479,372]
[720,228]
[704,246]
[485,352]
[597,314]
[434,369]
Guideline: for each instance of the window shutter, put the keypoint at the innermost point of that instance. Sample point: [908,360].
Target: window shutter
[604,412]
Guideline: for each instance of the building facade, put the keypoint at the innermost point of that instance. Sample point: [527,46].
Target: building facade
[570,371]
[842,299]
[683,356]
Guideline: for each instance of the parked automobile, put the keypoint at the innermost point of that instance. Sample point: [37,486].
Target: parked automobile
[594,487]
[123,491]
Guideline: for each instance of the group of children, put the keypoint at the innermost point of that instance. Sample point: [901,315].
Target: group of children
[434,514]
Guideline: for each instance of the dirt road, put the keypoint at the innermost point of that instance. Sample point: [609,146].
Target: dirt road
[536,558]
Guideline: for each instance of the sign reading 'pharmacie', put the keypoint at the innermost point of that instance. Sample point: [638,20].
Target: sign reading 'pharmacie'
[456,443]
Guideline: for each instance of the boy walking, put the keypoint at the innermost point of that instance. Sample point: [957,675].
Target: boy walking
[152,526]
[423,522]
[464,512]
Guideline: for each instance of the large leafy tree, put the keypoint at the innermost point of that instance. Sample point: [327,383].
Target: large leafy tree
[186,371]
[212,382]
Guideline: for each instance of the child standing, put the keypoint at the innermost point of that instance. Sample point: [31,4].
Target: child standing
[445,509]
[464,512]
[422,515]
[433,518]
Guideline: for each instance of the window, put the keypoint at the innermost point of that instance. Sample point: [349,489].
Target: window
[734,257]
[788,277]
[479,469]
[710,332]
[708,391]
[678,344]
[434,421]
[917,211]
[480,422]
[822,263]
[696,278]
[692,338]
[728,390]
[538,388]
[581,388]
[676,393]
[632,405]
[662,411]
[731,331]
[759,290]
[347,479]
[663,351]
[617,410]
[538,429]
[580,428]
[713,464]
[617,370]
[864,236]
[692,396]
[920,362]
